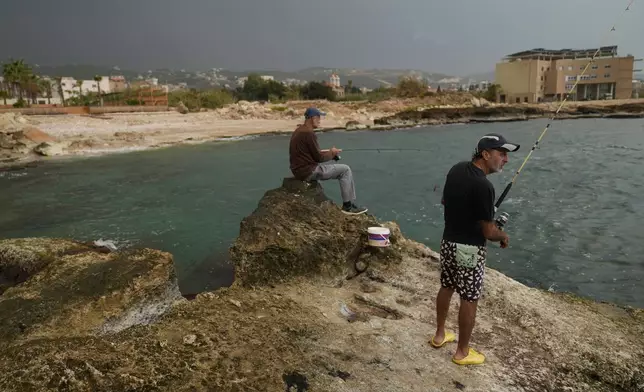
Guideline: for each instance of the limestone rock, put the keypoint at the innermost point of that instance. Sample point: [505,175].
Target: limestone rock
[354,125]
[34,135]
[6,141]
[182,108]
[297,231]
[49,149]
[62,287]
[24,257]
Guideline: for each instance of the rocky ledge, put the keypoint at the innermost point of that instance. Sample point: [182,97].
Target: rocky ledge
[504,113]
[312,309]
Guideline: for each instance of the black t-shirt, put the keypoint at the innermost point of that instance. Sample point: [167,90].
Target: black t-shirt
[468,197]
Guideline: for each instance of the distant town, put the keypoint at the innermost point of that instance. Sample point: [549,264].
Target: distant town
[531,76]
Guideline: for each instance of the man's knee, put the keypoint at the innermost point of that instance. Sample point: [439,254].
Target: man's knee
[343,169]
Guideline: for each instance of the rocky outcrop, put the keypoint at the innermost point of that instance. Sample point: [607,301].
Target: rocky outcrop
[296,231]
[55,287]
[19,139]
[480,112]
[300,316]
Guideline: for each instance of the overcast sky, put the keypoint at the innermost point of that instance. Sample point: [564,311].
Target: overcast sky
[452,36]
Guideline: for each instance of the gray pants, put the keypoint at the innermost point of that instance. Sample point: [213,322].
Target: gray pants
[336,171]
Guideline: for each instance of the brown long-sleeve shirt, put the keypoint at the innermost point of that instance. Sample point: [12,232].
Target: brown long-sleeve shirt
[305,154]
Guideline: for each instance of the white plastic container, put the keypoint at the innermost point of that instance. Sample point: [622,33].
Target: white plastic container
[379,237]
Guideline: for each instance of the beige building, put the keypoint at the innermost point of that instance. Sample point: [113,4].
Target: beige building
[547,75]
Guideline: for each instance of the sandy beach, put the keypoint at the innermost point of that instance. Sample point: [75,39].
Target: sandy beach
[25,139]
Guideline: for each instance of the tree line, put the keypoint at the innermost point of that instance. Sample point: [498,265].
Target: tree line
[21,82]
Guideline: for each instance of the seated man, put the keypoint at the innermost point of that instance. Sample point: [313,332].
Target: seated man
[306,158]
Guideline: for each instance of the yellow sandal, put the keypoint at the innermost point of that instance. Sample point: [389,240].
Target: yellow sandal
[449,337]
[473,358]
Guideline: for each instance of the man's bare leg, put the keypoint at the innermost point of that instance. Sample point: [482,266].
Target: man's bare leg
[466,318]
[442,309]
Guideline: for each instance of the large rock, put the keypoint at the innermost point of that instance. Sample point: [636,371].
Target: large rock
[49,149]
[34,135]
[182,108]
[6,141]
[297,231]
[57,287]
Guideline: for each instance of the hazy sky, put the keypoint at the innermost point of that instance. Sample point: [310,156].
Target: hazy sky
[450,36]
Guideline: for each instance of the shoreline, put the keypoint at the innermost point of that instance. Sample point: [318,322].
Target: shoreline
[91,136]
[346,317]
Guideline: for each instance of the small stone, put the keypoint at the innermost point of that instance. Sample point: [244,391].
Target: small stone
[235,302]
[189,339]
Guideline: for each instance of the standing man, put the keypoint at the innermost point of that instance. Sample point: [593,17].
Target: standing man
[468,197]
[306,157]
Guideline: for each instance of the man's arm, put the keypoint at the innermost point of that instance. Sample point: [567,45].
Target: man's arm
[491,232]
[314,148]
[484,210]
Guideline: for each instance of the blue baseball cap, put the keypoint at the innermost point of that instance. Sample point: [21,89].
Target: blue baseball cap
[313,112]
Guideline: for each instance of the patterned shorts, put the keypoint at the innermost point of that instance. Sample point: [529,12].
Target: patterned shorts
[467,282]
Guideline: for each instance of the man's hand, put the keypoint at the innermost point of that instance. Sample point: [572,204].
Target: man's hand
[492,233]
[505,242]
[335,151]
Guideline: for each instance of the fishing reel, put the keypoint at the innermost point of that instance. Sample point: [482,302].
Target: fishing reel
[501,220]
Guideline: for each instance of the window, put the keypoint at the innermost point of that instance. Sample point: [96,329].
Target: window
[561,68]
[542,78]
[607,75]
[570,68]
[518,100]
[595,66]
[607,66]
[525,99]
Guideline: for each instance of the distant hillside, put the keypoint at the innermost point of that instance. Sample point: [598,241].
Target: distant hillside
[370,78]
[489,76]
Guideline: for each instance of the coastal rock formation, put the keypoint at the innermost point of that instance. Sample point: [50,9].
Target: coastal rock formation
[479,112]
[19,138]
[298,317]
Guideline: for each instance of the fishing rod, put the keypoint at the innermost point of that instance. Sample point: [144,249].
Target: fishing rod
[337,157]
[536,144]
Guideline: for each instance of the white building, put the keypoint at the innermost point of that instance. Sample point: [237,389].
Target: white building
[45,97]
[71,86]
[334,80]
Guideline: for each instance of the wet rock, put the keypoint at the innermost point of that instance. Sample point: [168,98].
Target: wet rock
[49,149]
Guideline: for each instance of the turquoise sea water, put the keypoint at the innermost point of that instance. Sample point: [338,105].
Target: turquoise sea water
[574,213]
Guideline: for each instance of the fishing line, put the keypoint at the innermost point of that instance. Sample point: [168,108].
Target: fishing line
[574,86]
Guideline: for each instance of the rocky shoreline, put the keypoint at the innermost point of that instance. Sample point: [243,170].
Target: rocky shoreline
[431,116]
[312,308]
[30,140]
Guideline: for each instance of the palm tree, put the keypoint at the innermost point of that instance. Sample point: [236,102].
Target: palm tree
[45,86]
[31,84]
[59,85]
[98,79]
[79,84]
[16,74]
